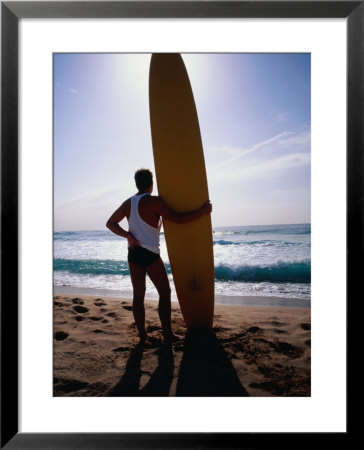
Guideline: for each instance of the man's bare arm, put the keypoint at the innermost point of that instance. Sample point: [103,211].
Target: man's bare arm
[168,213]
[113,225]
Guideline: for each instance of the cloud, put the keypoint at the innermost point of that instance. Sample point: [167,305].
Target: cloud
[282,141]
[74,91]
[275,166]
[297,140]
[262,170]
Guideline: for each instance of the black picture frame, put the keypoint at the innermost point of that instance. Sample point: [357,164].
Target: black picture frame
[11,13]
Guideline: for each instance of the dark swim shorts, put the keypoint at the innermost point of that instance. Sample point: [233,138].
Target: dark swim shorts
[141,256]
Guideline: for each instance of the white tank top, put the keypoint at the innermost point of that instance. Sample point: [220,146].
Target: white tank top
[147,235]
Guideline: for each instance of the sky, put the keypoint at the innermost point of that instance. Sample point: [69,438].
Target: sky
[255,119]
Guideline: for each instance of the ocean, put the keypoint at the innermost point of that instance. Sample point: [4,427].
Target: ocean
[268,264]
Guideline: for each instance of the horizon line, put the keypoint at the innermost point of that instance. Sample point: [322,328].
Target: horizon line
[219,226]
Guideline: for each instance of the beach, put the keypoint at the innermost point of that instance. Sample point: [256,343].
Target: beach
[251,351]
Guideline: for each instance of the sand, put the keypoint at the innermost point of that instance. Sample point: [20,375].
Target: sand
[251,351]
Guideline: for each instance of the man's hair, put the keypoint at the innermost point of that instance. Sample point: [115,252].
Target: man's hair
[143,179]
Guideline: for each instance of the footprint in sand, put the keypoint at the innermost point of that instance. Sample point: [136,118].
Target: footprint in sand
[128,308]
[59,304]
[253,330]
[278,331]
[100,302]
[287,349]
[98,331]
[112,314]
[77,301]
[80,309]
[306,326]
[278,324]
[79,318]
[275,323]
[68,386]
[60,335]
[95,318]
[121,349]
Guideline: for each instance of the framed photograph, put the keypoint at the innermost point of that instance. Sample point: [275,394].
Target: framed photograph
[48,48]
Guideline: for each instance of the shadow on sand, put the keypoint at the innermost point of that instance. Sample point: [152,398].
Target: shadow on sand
[206,370]
[161,379]
[159,383]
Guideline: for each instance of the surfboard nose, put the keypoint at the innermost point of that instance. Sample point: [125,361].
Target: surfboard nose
[170,69]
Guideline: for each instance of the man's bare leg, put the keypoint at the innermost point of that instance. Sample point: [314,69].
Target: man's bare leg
[137,275]
[158,275]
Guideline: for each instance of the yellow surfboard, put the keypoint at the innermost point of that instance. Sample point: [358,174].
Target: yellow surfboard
[181,179]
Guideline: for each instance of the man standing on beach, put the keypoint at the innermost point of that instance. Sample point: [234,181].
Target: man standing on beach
[144,212]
